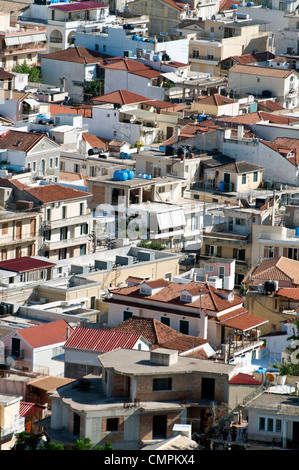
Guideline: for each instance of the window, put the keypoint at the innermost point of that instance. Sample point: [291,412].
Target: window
[76,168]
[165,320]
[212,250]
[63,233]
[56,162]
[81,208]
[239,254]
[112,424]
[127,314]
[51,163]
[184,327]
[168,276]
[255,176]
[243,179]
[48,215]
[162,384]
[5,229]
[76,83]
[84,229]
[63,212]
[270,425]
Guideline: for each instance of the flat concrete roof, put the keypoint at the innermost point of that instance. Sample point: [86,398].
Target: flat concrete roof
[280,404]
[133,362]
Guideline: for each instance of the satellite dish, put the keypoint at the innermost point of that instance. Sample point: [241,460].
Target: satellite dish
[270,377]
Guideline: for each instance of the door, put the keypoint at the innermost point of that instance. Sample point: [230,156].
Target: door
[15,347]
[159,427]
[76,425]
[32,227]
[208,389]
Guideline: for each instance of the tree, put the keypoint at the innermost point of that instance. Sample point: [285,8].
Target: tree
[85,444]
[94,88]
[27,441]
[34,72]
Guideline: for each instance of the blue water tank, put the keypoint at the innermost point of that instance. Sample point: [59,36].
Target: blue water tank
[297,231]
[148,177]
[221,186]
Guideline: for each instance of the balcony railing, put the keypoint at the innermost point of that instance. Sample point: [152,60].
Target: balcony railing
[205,57]
[15,354]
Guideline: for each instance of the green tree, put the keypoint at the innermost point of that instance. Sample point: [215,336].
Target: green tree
[34,72]
[26,441]
[94,88]
[85,444]
[51,446]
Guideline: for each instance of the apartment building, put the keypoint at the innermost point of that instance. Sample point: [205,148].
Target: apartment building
[20,233]
[11,421]
[20,44]
[140,399]
[196,309]
[67,220]
[62,19]
[224,37]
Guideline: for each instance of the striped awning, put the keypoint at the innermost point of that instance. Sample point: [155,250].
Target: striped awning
[27,408]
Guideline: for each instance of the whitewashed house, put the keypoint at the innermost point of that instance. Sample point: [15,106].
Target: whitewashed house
[37,348]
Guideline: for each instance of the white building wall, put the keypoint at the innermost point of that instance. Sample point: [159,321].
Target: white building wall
[276,167]
[43,358]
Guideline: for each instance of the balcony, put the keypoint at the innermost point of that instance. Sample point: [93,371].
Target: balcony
[56,245]
[9,431]
[17,355]
[80,219]
[23,50]
[205,58]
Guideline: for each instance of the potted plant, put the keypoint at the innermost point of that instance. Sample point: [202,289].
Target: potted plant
[233,433]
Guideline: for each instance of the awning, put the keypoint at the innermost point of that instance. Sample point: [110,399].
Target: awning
[39,37]
[25,39]
[32,103]
[171,219]
[173,77]
[12,41]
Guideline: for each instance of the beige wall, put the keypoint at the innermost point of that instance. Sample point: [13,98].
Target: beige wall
[18,235]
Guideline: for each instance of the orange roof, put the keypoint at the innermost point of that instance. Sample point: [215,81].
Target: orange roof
[126,64]
[289,292]
[55,192]
[86,111]
[285,146]
[45,334]
[275,269]
[95,141]
[120,97]
[216,100]
[262,71]
[77,54]
[240,319]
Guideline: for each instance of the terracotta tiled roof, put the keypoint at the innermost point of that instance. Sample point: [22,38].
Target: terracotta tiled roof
[289,292]
[262,71]
[93,339]
[95,141]
[120,97]
[253,118]
[177,5]
[269,105]
[77,54]
[240,319]
[45,334]
[126,64]
[163,336]
[227,4]
[216,100]
[55,192]
[211,299]
[151,73]
[250,58]
[285,146]
[244,379]
[153,330]
[275,269]
[19,141]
